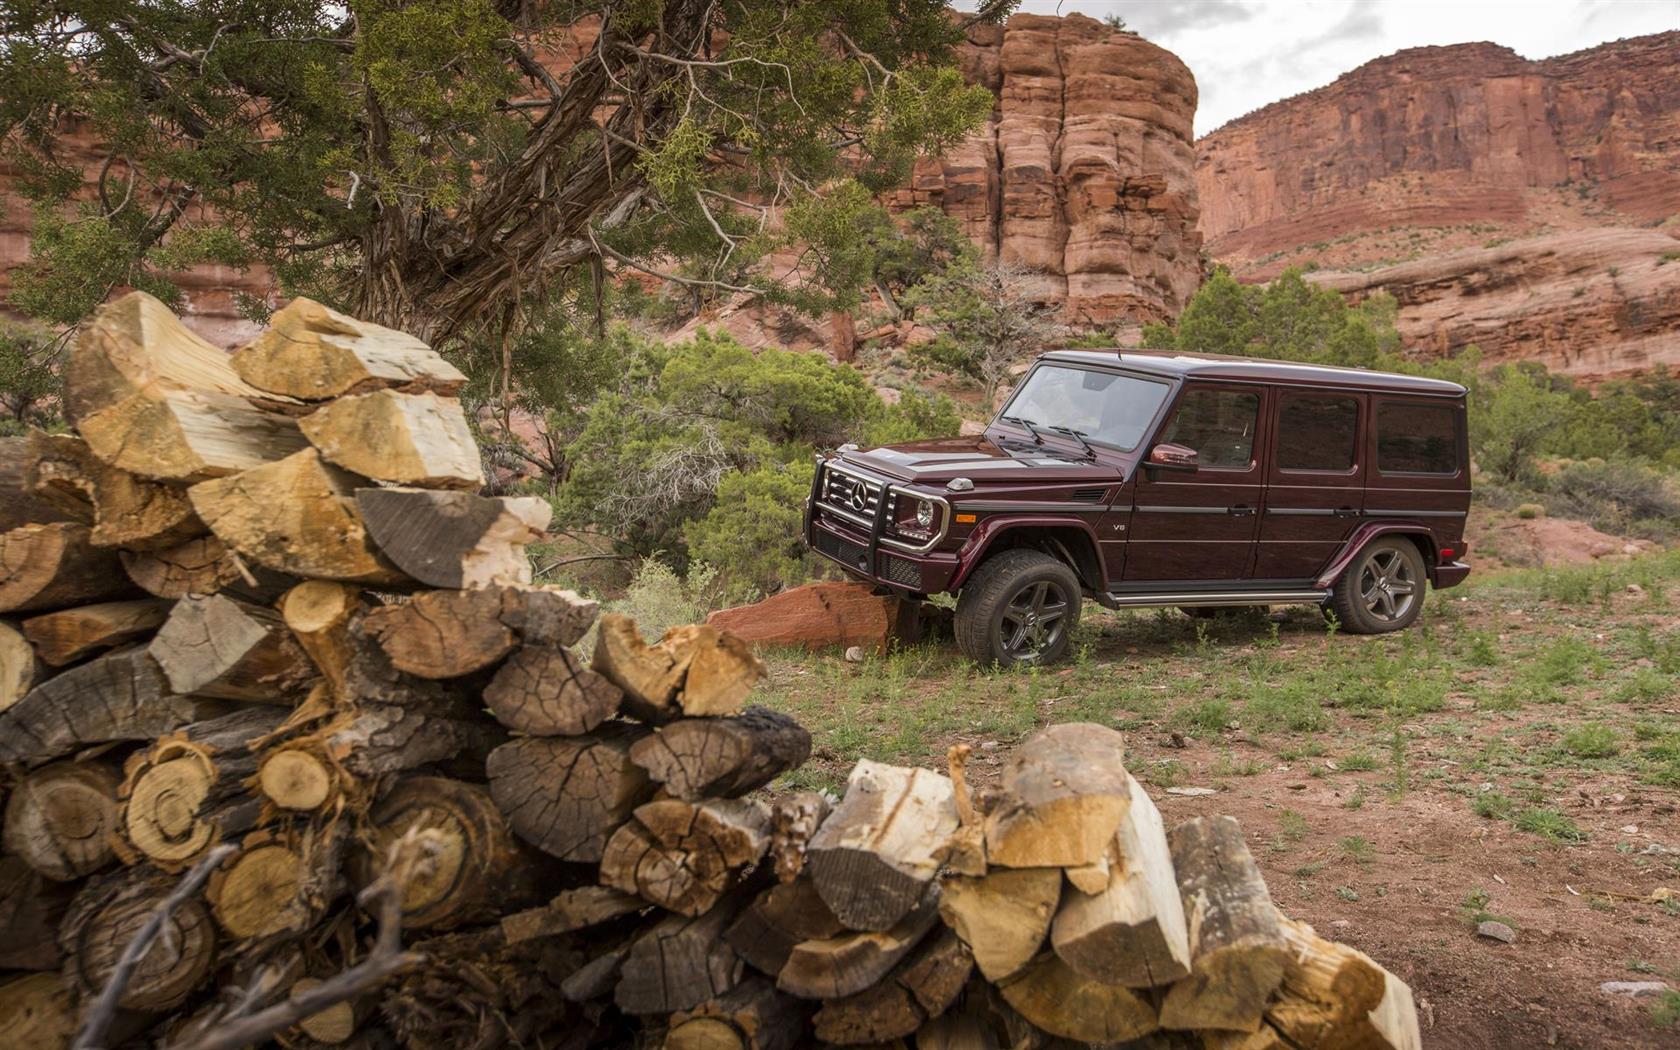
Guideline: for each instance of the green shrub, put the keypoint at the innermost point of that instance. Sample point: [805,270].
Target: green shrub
[1530,511]
[1617,496]
[1549,823]
[752,533]
[1591,740]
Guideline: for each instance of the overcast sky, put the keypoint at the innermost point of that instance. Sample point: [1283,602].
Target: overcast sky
[1246,53]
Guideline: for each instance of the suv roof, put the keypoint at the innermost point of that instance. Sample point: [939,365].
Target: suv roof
[1257,369]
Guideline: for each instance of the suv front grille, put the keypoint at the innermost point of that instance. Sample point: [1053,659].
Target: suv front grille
[842,549]
[851,496]
[901,571]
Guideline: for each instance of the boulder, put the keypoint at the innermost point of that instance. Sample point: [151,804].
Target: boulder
[823,615]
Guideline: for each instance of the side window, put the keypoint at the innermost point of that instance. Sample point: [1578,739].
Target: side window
[1218,424]
[1317,432]
[1417,439]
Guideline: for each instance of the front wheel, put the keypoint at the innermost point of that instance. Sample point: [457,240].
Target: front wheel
[1019,607]
[1382,590]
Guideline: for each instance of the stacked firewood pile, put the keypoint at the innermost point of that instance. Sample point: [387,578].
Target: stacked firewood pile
[293,750]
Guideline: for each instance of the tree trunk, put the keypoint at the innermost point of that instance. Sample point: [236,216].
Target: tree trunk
[446,634]
[31,911]
[566,795]
[107,914]
[219,647]
[19,667]
[874,856]
[1237,949]
[119,696]
[779,918]
[1064,794]
[54,566]
[1054,997]
[1002,916]
[60,817]
[65,637]
[402,439]
[695,758]
[846,964]
[683,855]
[751,1016]
[548,692]
[681,962]
[314,353]
[455,540]
[918,989]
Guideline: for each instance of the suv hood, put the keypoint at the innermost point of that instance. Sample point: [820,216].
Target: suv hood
[981,460]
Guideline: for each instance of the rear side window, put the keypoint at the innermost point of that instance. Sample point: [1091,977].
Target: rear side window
[1218,424]
[1317,433]
[1417,439]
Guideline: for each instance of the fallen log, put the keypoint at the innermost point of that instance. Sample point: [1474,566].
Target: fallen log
[1064,794]
[1002,916]
[547,692]
[60,819]
[447,634]
[118,696]
[313,353]
[215,646]
[64,637]
[53,566]
[403,439]
[695,758]
[566,795]
[683,855]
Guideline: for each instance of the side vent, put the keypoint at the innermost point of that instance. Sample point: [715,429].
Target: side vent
[1089,495]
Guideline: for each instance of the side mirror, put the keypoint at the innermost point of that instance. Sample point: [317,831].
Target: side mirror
[1167,456]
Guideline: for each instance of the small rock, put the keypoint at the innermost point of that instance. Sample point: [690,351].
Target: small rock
[988,745]
[1635,989]
[1174,739]
[1340,924]
[1497,931]
[1630,829]
[1636,590]
[1192,792]
[854,655]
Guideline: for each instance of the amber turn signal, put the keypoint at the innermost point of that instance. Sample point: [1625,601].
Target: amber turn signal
[965,519]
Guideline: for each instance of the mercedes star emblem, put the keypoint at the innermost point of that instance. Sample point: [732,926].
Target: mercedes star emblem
[859,499]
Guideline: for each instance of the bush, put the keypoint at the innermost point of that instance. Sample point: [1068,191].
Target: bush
[752,533]
[1618,496]
[1530,511]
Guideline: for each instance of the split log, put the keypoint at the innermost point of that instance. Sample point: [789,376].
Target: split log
[59,469]
[31,911]
[152,398]
[570,910]
[722,670]
[36,1013]
[318,613]
[294,516]
[19,667]
[965,850]
[339,760]
[1056,998]
[118,696]
[874,857]
[682,855]
[446,634]
[202,565]
[918,989]
[545,691]
[54,566]
[1237,949]
[312,352]
[959,1030]
[1263,1038]
[1133,932]
[846,964]
[793,820]
[681,962]
[695,758]
[779,918]
[1064,794]
[650,675]
[751,1016]
[1002,916]
[264,890]
[455,539]
[64,637]
[59,819]
[109,912]
[566,795]
[405,439]
[334,1025]
[215,646]
[693,670]
[596,978]
[124,509]
[19,504]
[186,792]
[1335,996]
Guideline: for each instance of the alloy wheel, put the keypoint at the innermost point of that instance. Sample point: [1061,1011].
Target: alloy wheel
[1033,620]
[1386,585]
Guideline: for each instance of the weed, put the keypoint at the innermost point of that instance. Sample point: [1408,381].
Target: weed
[1550,824]
[1591,740]
[1355,800]
[1665,1012]
[1481,652]
[1357,849]
[1358,762]
[1347,893]
[1491,805]
[1210,715]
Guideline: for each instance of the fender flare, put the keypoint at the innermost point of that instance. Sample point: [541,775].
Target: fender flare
[980,541]
[1362,538]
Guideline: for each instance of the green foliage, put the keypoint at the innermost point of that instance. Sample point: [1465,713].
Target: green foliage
[28,378]
[1591,740]
[988,316]
[752,533]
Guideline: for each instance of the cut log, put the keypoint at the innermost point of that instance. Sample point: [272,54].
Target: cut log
[957,1030]
[571,910]
[295,516]
[779,918]
[263,890]
[1002,916]
[19,503]
[455,539]
[694,758]
[318,613]
[72,634]
[1335,996]
[118,696]
[312,352]
[547,692]
[1237,949]
[965,851]
[1264,1038]
[187,792]
[681,962]
[921,987]
[215,646]
[298,778]
[751,1016]
[1056,998]
[31,910]
[682,855]
[152,398]
[1133,932]
[596,978]
[566,795]
[109,912]
[874,857]
[334,1025]
[202,565]
[793,820]
[446,634]
[124,509]
[59,819]
[54,566]
[1064,794]
[358,746]
[36,1013]
[60,469]
[650,675]
[722,670]
[405,439]
[19,667]
[846,964]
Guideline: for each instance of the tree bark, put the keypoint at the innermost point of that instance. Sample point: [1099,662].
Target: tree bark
[695,758]
[548,692]
[403,439]
[683,855]
[20,668]
[1064,794]
[566,795]
[215,646]
[447,634]
[918,989]
[681,962]
[31,911]
[53,566]
[314,353]
[59,819]
[108,913]
[1002,916]
[455,540]
[119,696]
[64,637]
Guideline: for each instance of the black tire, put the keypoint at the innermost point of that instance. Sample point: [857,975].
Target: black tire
[1382,589]
[1001,613]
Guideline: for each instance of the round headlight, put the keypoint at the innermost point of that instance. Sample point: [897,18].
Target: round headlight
[924,514]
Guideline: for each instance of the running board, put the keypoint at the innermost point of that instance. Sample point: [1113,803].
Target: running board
[1198,599]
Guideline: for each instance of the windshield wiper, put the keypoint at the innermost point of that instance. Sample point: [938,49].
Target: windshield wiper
[1079,436]
[1028,425]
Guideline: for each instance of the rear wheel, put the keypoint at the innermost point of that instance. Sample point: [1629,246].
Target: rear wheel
[1382,590]
[1019,607]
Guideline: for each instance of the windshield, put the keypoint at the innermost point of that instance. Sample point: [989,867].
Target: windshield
[1106,407]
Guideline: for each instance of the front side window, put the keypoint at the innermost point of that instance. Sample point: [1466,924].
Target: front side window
[1414,438]
[1107,407]
[1317,433]
[1218,424]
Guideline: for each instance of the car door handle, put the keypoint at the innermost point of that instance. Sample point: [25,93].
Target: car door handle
[1347,512]
[1239,511]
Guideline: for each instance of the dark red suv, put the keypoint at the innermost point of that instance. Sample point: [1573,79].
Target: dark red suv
[1139,479]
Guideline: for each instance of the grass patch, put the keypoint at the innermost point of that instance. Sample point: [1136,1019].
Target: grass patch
[1550,824]
[1592,740]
